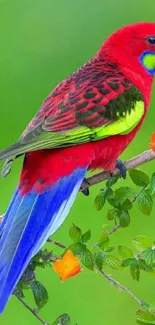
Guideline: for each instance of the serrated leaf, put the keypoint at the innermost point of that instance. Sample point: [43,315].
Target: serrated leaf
[111,181]
[139,177]
[76,248]
[99,259]
[149,256]
[111,214]
[145,203]
[127,205]
[86,236]
[145,315]
[135,272]
[63,319]
[152,184]
[100,201]
[40,294]
[103,241]
[75,233]
[124,193]
[144,266]
[129,262]
[124,218]
[113,262]
[142,242]
[125,251]
[87,258]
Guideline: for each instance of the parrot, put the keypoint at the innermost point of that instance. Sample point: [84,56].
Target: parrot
[84,124]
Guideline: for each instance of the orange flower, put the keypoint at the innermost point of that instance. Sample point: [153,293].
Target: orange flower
[68,266]
[152,143]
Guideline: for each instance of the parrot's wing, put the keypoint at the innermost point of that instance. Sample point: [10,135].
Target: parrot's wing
[95,102]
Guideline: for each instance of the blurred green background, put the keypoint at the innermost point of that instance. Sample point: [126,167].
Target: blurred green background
[42,42]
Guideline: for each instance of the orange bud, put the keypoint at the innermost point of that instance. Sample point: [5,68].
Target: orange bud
[68,266]
[152,143]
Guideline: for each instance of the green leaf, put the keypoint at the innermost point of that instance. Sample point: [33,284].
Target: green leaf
[105,228]
[124,193]
[87,258]
[139,322]
[145,315]
[64,319]
[40,294]
[124,218]
[76,248]
[125,251]
[112,200]
[127,205]
[111,181]
[143,266]
[142,242]
[111,214]
[86,236]
[152,184]
[129,262]
[100,201]
[103,241]
[149,256]
[145,202]
[139,177]
[99,259]
[109,249]
[135,272]
[75,233]
[113,262]
[107,191]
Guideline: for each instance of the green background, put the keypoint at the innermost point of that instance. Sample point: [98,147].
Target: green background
[41,42]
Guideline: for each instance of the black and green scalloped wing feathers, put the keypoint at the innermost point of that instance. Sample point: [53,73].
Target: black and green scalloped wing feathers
[95,102]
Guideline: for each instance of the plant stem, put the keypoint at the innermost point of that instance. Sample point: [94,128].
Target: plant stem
[32,311]
[121,287]
[57,243]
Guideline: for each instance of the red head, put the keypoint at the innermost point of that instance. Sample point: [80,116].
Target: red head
[133,47]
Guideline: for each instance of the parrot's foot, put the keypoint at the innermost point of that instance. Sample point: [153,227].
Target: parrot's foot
[85,187]
[121,167]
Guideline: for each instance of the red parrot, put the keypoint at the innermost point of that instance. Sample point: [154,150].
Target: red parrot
[85,123]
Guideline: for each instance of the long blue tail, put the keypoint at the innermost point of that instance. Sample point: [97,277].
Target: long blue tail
[28,222]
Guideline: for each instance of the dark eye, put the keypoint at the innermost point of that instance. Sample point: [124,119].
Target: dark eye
[151,40]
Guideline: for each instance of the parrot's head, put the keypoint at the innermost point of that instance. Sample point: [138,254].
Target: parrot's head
[133,46]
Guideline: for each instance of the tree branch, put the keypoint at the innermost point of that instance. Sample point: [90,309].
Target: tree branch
[31,310]
[121,287]
[134,162]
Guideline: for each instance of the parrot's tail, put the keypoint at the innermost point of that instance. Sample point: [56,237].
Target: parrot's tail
[28,222]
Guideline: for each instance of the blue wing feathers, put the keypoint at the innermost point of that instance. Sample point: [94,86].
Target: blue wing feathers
[28,223]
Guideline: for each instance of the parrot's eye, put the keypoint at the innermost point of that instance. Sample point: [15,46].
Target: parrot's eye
[151,40]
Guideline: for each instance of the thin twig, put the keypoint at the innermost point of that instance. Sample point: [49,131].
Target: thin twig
[121,287]
[117,227]
[57,243]
[32,311]
[113,229]
[134,162]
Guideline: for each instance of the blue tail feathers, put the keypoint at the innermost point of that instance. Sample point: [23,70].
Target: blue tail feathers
[28,222]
